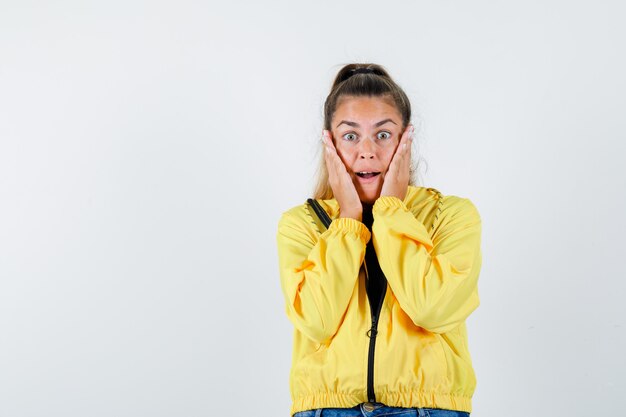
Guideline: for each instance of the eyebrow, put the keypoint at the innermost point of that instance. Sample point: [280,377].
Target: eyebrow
[353,124]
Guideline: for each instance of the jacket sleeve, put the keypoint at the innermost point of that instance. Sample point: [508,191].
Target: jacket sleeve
[318,272]
[435,281]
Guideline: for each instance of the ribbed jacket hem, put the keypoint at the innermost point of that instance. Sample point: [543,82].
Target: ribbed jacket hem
[407,399]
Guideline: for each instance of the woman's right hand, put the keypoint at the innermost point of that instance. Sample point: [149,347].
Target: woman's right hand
[340,181]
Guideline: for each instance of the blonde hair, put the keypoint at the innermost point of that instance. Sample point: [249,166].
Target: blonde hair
[359,80]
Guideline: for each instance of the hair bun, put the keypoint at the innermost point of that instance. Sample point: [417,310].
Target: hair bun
[364,70]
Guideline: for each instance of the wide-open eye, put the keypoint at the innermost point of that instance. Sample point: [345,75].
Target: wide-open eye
[384,135]
[349,136]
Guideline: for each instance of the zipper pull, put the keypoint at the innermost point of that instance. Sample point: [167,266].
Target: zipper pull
[373,331]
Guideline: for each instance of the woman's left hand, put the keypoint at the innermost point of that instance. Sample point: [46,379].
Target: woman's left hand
[396,180]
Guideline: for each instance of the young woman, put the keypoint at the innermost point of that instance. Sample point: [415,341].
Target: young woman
[379,291]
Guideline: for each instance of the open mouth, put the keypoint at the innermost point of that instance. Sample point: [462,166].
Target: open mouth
[364,174]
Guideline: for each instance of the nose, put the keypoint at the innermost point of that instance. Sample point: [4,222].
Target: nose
[366,150]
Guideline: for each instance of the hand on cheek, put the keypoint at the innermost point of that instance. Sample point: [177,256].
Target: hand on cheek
[396,181]
[340,181]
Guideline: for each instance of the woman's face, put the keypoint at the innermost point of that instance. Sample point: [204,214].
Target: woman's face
[366,132]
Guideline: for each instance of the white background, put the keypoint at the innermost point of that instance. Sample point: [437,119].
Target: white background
[147,150]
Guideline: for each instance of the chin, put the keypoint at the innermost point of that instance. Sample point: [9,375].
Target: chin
[368,199]
[368,193]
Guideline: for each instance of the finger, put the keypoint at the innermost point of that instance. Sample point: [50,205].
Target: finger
[328,144]
[328,158]
[335,166]
[332,152]
[338,176]
[405,163]
[328,141]
[405,151]
[407,140]
[399,153]
[401,158]
[407,137]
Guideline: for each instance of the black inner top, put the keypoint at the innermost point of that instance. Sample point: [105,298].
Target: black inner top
[376,282]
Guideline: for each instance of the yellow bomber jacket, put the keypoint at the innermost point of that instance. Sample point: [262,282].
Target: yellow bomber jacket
[428,246]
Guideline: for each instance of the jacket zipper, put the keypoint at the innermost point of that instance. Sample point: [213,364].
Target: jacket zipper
[372,333]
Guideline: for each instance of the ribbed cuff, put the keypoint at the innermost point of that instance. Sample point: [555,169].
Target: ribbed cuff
[389,201]
[350,225]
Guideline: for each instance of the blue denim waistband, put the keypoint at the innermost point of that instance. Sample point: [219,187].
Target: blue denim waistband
[380,410]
